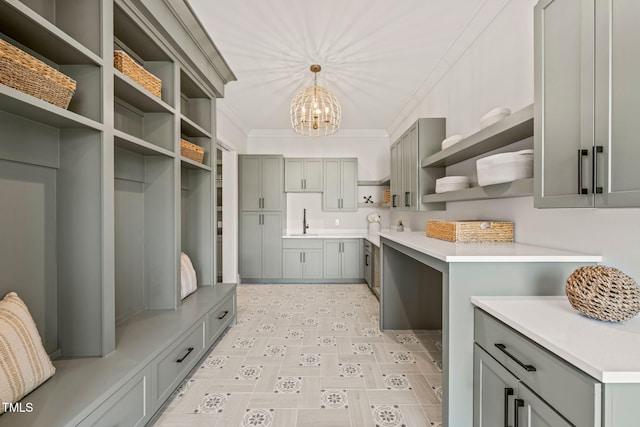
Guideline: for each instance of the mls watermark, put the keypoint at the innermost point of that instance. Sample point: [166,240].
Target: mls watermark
[18,407]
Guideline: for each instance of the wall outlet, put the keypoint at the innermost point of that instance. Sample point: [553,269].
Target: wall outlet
[337,221]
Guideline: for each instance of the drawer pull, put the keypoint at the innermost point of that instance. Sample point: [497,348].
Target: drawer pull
[507,392]
[223,315]
[517,403]
[528,368]
[189,350]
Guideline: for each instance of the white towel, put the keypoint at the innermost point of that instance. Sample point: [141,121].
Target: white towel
[188,279]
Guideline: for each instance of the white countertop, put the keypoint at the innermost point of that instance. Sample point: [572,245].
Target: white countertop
[336,234]
[483,252]
[606,351]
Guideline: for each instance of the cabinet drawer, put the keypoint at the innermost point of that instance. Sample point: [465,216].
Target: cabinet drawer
[125,408]
[303,243]
[570,391]
[171,366]
[219,318]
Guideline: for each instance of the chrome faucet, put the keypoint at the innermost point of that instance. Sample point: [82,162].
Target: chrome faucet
[304,221]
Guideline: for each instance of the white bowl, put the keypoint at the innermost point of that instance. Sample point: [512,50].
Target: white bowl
[494,116]
[451,183]
[451,140]
[505,167]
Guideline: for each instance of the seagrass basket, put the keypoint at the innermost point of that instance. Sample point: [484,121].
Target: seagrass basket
[27,74]
[191,151]
[129,67]
[471,231]
[603,293]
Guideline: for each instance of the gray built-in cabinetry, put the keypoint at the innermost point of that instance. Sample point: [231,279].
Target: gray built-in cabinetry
[303,175]
[586,101]
[517,382]
[340,185]
[409,181]
[302,259]
[342,259]
[262,217]
[97,203]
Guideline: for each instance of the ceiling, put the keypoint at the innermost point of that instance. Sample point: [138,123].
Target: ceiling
[375,54]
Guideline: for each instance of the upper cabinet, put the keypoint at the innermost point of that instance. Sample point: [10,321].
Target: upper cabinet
[303,175]
[340,185]
[408,180]
[261,183]
[586,102]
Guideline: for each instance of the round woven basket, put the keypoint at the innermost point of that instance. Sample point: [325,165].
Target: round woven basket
[603,293]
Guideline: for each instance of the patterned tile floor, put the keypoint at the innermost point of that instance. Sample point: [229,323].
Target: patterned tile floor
[312,355]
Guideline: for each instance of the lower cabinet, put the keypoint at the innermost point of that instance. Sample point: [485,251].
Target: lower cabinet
[516,382]
[342,259]
[260,245]
[128,407]
[219,318]
[302,258]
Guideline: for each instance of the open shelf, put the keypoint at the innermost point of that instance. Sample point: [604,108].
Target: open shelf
[192,164]
[514,128]
[195,105]
[35,28]
[135,94]
[373,183]
[137,145]
[192,129]
[519,188]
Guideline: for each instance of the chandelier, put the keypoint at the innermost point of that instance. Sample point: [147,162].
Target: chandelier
[315,110]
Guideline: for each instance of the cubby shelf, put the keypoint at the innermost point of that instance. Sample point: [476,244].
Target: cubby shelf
[519,188]
[192,129]
[136,95]
[23,105]
[137,145]
[373,183]
[192,164]
[514,128]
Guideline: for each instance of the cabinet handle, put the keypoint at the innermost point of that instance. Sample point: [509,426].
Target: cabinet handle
[503,348]
[517,403]
[189,350]
[223,315]
[507,392]
[304,257]
[304,183]
[366,260]
[407,199]
[581,153]
[596,150]
[393,204]
[300,257]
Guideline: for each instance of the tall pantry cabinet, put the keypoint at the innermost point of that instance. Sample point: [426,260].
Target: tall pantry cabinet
[586,103]
[97,202]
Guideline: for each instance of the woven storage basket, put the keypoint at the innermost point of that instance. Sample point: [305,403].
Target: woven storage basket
[471,231]
[603,293]
[27,74]
[191,151]
[125,64]
[386,196]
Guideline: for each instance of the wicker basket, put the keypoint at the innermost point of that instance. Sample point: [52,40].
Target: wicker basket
[386,196]
[27,74]
[471,231]
[125,64]
[603,293]
[191,151]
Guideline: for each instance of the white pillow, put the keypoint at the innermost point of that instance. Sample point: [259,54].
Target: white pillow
[24,363]
[188,279]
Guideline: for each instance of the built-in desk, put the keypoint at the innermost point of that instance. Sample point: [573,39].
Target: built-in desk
[428,284]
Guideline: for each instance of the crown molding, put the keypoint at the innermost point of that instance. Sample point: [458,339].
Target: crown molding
[344,133]
[483,17]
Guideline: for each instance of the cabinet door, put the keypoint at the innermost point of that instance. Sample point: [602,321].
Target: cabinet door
[368,264]
[272,183]
[271,245]
[349,184]
[564,81]
[532,411]
[494,391]
[414,164]
[250,245]
[617,126]
[396,175]
[351,259]
[332,259]
[250,176]
[293,174]
[313,175]
[292,263]
[312,264]
[331,187]
[407,175]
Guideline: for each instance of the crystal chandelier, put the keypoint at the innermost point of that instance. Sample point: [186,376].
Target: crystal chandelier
[315,110]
